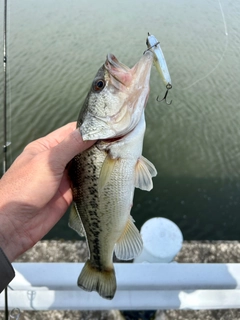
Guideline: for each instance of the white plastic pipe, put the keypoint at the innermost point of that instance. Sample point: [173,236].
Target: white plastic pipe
[139,276]
[123,300]
[46,286]
[162,240]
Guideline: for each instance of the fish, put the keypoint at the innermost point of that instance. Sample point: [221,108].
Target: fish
[104,177]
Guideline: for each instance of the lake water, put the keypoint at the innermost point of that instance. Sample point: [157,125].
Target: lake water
[55,48]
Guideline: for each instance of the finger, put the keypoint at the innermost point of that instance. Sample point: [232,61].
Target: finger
[51,140]
[70,147]
[61,133]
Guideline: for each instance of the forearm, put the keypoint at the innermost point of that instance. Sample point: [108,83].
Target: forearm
[12,187]
[6,271]
[9,241]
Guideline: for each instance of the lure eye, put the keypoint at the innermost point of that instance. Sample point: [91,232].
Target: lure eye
[99,84]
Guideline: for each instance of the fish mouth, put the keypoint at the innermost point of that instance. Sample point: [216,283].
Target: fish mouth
[114,63]
[118,71]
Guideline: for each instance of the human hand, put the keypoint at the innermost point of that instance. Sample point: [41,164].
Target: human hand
[35,192]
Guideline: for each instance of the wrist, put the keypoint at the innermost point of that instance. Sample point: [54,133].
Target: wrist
[9,241]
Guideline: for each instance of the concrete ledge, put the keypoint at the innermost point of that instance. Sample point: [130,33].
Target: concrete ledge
[191,252]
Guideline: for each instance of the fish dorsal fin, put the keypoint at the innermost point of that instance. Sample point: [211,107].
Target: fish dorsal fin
[75,221]
[144,172]
[130,244]
[106,171]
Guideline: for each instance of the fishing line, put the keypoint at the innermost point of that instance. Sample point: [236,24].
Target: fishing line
[5,128]
[7,107]
[6,132]
[223,17]
[5,87]
[9,93]
[223,53]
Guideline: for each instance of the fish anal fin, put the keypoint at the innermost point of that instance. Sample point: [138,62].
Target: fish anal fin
[106,171]
[130,244]
[75,221]
[144,171]
[102,281]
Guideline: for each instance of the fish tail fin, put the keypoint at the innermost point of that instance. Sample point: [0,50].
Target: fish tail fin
[92,279]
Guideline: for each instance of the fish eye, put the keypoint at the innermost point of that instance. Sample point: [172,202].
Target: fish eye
[99,84]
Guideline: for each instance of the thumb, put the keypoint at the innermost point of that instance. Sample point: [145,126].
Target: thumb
[70,147]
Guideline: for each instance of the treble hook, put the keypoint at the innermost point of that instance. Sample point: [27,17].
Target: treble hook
[168,86]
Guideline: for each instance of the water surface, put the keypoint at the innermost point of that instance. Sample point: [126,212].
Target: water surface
[55,48]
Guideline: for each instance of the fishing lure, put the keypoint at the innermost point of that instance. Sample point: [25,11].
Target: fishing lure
[160,63]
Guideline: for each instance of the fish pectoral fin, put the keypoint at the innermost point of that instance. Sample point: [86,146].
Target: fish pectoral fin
[150,166]
[75,221]
[144,172]
[130,244]
[106,171]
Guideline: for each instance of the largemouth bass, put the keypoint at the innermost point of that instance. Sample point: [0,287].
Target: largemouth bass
[104,177]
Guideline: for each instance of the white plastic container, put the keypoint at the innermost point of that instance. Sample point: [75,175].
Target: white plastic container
[162,240]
